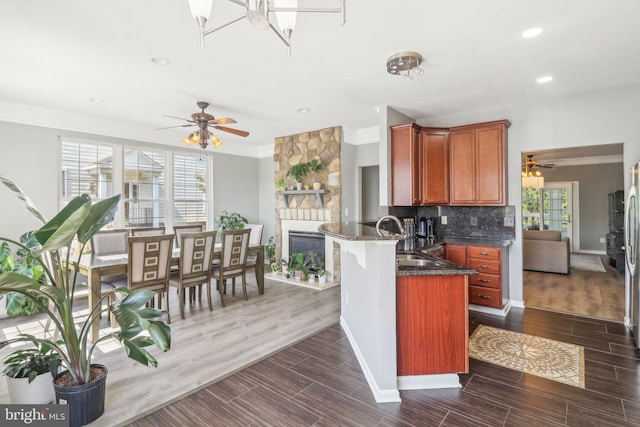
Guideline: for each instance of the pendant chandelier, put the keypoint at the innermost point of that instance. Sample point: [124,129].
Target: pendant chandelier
[259,13]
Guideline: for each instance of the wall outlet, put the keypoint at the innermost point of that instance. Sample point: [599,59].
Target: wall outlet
[346,211]
[443,220]
[474,220]
[509,221]
[603,240]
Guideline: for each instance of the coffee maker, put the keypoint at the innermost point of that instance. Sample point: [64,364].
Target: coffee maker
[425,229]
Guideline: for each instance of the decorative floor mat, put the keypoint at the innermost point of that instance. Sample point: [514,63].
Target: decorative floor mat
[533,355]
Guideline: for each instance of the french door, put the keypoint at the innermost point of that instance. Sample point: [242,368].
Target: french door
[549,208]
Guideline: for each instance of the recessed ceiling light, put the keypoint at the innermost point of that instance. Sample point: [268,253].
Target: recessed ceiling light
[532,32]
[160,61]
[96,100]
[303,110]
[544,79]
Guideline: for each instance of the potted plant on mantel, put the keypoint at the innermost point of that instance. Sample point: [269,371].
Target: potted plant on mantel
[298,172]
[82,385]
[314,166]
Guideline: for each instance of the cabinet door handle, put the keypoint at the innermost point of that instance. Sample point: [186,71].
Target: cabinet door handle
[483,253]
[483,280]
[484,266]
[485,296]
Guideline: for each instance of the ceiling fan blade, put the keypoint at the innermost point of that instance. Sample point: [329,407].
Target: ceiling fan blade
[177,126]
[233,131]
[223,121]
[179,118]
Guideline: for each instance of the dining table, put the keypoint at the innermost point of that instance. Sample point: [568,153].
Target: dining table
[95,267]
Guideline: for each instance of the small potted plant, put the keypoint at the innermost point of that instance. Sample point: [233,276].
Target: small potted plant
[281,185]
[322,276]
[30,374]
[298,172]
[270,253]
[314,166]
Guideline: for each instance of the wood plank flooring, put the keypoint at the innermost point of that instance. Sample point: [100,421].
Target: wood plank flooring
[318,382]
[586,293]
[206,346]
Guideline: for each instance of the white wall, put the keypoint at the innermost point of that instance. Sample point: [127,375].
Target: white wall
[266,194]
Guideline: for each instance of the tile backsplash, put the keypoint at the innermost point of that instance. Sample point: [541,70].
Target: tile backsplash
[464,221]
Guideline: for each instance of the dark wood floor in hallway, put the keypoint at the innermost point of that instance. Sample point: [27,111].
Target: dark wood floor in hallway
[318,382]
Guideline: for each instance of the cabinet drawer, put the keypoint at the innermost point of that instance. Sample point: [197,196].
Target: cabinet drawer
[486,280]
[485,296]
[485,266]
[483,252]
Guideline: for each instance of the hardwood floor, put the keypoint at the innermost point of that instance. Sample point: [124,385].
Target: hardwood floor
[206,346]
[318,382]
[585,293]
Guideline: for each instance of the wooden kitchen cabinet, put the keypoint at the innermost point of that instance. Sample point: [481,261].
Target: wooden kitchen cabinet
[485,288]
[419,165]
[432,325]
[457,254]
[478,164]
[434,160]
[405,156]
[488,286]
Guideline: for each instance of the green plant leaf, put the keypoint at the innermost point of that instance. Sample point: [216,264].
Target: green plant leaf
[100,214]
[31,207]
[60,231]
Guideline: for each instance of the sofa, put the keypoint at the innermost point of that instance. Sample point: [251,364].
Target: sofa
[545,251]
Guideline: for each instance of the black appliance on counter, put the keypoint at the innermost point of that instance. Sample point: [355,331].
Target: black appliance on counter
[615,237]
[425,229]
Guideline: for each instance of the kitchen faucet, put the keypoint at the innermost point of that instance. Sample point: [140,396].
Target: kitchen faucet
[395,218]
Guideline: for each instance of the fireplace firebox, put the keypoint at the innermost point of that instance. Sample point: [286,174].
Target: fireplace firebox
[306,242]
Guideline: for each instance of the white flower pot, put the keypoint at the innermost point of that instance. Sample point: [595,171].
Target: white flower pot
[39,392]
[317,185]
[298,186]
[322,279]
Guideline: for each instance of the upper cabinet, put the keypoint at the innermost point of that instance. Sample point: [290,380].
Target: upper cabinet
[405,165]
[478,164]
[434,187]
[419,165]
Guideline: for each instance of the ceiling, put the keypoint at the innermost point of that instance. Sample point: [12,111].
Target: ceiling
[57,55]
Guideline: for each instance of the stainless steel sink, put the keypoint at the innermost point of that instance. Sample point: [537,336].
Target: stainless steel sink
[417,262]
[405,257]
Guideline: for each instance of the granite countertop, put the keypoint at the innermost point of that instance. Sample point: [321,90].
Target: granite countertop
[478,241]
[434,266]
[353,230]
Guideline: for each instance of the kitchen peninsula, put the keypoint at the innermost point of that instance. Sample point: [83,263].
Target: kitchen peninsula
[393,311]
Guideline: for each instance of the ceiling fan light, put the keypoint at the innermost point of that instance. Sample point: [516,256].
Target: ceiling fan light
[187,141]
[286,20]
[195,137]
[200,9]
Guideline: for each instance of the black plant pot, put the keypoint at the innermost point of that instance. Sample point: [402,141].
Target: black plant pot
[86,401]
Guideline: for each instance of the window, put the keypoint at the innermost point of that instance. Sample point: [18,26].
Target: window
[189,190]
[86,169]
[144,192]
[153,194]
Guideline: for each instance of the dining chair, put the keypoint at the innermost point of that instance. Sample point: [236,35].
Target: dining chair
[194,270]
[110,242]
[233,262]
[178,230]
[147,231]
[148,265]
[80,292]
[255,238]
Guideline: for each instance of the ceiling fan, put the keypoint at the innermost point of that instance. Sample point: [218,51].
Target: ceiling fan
[204,121]
[531,164]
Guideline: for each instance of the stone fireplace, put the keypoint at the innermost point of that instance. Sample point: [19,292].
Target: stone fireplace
[305,211]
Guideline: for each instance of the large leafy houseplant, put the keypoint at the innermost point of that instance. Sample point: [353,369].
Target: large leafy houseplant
[229,221]
[81,219]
